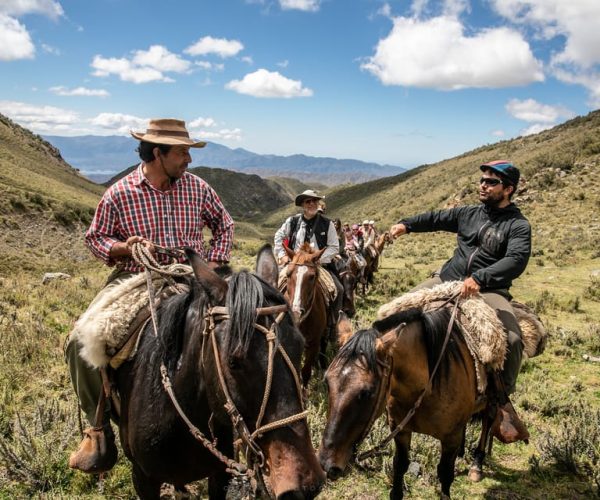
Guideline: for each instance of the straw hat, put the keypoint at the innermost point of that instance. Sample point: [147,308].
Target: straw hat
[167,131]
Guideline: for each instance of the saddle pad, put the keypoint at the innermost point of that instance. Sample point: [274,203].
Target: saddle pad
[104,327]
[483,332]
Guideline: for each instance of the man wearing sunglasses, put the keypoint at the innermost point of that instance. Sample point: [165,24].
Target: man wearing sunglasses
[494,245]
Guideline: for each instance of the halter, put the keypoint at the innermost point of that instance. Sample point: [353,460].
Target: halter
[314,292]
[376,450]
[216,314]
[213,315]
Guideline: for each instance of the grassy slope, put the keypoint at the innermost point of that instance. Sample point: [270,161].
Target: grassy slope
[558,394]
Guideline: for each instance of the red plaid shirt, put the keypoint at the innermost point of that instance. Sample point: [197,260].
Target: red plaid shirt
[173,218]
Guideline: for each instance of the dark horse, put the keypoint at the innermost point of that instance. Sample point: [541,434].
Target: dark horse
[389,366]
[217,359]
[348,273]
[373,258]
[309,304]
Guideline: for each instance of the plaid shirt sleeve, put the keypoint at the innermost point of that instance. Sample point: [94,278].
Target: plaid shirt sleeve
[99,238]
[221,224]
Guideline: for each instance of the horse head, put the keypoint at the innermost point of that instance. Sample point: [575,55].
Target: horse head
[357,379]
[302,277]
[251,357]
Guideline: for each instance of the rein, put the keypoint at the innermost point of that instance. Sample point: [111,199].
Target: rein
[143,257]
[378,449]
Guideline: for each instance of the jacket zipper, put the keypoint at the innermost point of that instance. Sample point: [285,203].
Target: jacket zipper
[472,256]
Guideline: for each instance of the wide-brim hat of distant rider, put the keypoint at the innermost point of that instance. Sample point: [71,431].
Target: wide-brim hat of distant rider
[167,131]
[309,194]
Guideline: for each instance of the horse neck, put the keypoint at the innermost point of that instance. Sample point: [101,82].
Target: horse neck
[409,354]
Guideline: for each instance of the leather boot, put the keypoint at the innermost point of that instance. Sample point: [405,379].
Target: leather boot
[97,452]
[507,426]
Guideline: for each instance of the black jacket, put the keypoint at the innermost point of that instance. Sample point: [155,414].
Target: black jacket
[494,245]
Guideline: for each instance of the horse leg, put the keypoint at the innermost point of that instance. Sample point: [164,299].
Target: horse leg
[323,361]
[476,469]
[401,463]
[310,355]
[145,486]
[445,468]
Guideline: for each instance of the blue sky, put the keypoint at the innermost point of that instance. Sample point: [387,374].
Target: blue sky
[397,82]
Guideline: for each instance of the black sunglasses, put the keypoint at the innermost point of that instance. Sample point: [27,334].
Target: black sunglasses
[490,181]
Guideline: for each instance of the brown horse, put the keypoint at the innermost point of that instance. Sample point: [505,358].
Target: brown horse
[309,305]
[373,260]
[232,354]
[392,364]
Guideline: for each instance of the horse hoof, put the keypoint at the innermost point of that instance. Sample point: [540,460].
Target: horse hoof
[475,474]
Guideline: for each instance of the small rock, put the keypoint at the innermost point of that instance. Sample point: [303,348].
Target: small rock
[414,468]
[595,273]
[48,277]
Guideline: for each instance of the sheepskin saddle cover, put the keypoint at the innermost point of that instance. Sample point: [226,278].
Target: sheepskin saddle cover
[482,330]
[104,327]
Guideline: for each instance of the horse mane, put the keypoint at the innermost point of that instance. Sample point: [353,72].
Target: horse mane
[435,326]
[362,343]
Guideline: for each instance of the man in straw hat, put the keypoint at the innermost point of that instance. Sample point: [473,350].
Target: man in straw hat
[311,227]
[163,207]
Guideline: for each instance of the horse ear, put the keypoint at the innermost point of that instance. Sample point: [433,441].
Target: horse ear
[213,284]
[266,267]
[317,255]
[290,253]
[344,329]
[384,343]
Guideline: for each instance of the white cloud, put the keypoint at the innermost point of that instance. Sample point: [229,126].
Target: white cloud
[50,50]
[39,119]
[119,123]
[576,21]
[269,84]
[536,128]
[209,66]
[15,42]
[159,58]
[219,46]
[145,65]
[223,134]
[498,133]
[305,5]
[530,110]
[283,64]
[17,8]
[201,122]
[78,91]
[436,53]
[248,60]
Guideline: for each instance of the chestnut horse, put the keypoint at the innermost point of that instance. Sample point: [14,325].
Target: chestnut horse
[309,305]
[232,354]
[390,365]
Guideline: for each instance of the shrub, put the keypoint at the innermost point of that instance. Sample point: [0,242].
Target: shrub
[575,446]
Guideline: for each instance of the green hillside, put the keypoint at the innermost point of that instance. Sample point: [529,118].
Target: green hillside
[45,203]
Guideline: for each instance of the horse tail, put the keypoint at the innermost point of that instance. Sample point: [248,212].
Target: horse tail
[244,296]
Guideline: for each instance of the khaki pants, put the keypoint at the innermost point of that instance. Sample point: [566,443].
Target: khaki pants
[85,379]
[514,354]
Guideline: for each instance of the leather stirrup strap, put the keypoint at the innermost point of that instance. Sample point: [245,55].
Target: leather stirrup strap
[104,394]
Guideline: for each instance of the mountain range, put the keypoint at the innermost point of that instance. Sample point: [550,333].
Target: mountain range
[101,157]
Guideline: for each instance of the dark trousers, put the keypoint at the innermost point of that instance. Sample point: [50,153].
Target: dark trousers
[86,380]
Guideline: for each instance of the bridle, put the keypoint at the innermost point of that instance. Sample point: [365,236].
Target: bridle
[212,316]
[216,314]
[313,295]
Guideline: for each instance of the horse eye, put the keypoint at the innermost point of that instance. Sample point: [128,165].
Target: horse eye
[234,363]
[365,394]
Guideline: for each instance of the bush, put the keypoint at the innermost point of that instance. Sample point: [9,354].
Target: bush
[575,446]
